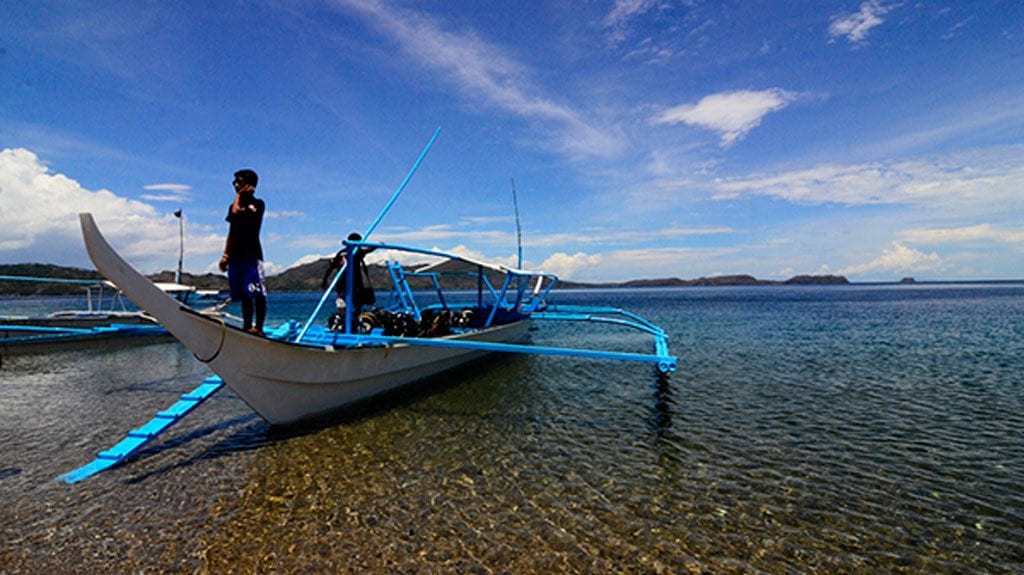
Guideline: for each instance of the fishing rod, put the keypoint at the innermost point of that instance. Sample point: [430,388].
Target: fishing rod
[373,226]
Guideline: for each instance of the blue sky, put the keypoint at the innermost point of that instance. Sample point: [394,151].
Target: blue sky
[646,138]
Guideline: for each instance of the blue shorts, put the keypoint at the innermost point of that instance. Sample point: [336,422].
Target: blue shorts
[246,280]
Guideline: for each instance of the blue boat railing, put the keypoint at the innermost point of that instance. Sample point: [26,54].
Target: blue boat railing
[596,314]
[514,299]
[666,363]
[94,291]
[22,334]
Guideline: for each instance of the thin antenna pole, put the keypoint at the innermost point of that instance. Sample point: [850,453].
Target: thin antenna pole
[181,244]
[519,229]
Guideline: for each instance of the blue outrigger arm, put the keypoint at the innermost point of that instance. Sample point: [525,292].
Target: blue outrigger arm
[664,362]
[512,297]
[137,438]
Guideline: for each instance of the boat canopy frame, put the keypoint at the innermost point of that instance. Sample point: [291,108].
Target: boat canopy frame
[514,297]
[406,300]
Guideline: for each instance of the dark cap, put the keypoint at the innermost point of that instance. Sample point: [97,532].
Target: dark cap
[248,177]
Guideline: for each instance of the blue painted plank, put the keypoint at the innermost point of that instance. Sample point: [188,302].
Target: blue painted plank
[139,437]
[178,410]
[153,428]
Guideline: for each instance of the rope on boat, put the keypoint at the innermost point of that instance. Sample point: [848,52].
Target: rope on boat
[220,346]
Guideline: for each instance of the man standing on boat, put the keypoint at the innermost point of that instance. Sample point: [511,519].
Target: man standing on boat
[362,293]
[243,253]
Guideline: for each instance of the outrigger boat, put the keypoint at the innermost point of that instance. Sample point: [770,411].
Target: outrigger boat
[106,318]
[302,371]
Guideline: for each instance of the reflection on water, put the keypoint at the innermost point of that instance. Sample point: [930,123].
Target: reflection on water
[857,430]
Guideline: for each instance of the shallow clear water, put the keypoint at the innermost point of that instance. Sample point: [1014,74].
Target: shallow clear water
[859,429]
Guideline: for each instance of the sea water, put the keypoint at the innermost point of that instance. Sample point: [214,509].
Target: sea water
[838,429]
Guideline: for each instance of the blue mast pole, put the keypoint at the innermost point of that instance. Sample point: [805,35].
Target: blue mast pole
[369,231]
[401,187]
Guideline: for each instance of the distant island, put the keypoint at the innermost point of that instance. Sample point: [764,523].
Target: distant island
[727,280]
[307,277]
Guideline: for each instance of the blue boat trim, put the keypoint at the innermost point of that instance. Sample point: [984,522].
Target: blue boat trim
[31,334]
[665,362]
[137,438]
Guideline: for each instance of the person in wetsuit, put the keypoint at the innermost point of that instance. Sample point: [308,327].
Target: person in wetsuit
[243,252]
[362,294]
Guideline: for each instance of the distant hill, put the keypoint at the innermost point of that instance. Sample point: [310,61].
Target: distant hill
[816,280]
[307,277]
[716,281]
[735,280]
[205,281]
[44,271]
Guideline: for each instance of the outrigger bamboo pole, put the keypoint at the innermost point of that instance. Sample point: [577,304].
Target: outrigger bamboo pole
[369,231]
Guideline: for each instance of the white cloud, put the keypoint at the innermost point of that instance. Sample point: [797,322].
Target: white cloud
[855,27]
[164,198]
[625,10]
[445,232]
[39,219]
[979,232]
[976,181]
[622,13]
[565,265]
[179,188]
[469,253]
[664,262]
[482,70]
[502,240]
[308,259]
[284,214]
[899,259]
[730,114]
[413,259]
[178,193]
[487,220]
[624,237]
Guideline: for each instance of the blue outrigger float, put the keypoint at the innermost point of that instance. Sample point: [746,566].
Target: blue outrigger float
[301,371]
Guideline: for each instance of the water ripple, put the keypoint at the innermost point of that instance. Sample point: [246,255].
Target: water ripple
[857,430]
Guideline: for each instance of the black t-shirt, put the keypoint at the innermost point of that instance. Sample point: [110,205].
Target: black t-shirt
[244,231]
[336,263]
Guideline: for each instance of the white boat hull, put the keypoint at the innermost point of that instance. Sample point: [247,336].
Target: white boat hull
[283,382]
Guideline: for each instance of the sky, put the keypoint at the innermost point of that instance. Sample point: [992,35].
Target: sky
[641,138]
